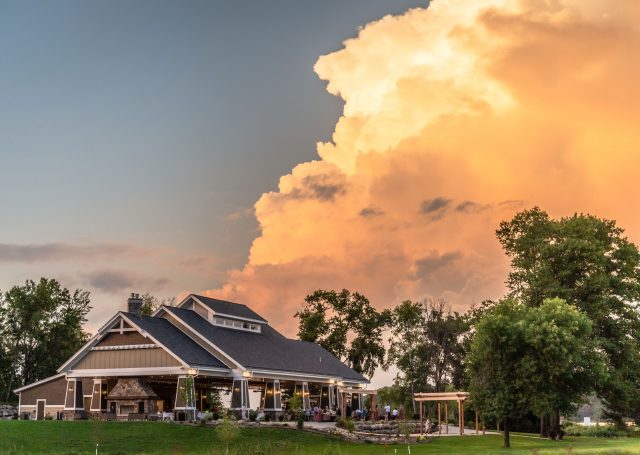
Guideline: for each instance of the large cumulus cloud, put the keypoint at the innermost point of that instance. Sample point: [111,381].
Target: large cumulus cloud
[455,116]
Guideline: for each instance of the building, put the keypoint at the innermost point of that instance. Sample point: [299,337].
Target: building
[136,366]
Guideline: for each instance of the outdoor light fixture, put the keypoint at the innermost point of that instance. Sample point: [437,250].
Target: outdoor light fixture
[192,371]
[246,374]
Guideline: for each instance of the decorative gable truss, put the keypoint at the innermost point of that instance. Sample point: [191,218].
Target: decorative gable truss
[120,344]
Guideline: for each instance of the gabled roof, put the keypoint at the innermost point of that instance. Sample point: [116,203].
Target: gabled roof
[176,341]
[267,349]
[224,308]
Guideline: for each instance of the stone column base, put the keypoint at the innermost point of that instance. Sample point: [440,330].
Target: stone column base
[75,415]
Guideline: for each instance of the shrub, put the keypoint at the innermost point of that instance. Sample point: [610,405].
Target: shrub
[253,415]
[228,431]
[404,428]
[595,431]
[300,422]
[48,417]
[346,423]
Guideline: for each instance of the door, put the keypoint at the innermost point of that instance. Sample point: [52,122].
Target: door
[140,407]
[41,405]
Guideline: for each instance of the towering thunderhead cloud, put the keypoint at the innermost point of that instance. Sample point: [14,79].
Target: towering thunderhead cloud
[455,116]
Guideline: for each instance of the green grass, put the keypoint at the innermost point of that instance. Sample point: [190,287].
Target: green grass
[52,437]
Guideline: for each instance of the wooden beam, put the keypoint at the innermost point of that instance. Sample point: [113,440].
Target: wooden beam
[439,426]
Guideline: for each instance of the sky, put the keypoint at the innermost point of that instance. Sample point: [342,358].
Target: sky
[259,151]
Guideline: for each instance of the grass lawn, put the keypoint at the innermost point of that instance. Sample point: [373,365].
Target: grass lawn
[49,437]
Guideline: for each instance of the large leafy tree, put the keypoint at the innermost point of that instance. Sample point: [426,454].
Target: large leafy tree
[40,327]
[532,358]
[426,345]
[588,262]
[407,326]
[346,325]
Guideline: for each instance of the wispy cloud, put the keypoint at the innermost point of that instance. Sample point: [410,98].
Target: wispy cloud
[36,252]
[117,281]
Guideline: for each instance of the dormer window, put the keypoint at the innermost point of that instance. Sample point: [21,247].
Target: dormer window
[235,324]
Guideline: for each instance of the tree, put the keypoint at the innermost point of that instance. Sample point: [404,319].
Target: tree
[150,304]
[346,325]
[40,327]
[589,263]
[426,345]
[566,362]
[526,358]
[407,323]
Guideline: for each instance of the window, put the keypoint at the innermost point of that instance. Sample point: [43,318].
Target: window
[231,323]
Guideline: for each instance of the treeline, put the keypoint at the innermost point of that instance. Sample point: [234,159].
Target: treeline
[40,328]
[568,327]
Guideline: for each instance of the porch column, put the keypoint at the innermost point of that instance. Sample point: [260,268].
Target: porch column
[333,399]
[356,401]
[324,397]
[302,390]
[186,396]
[272,396]
[74,399]
[240,397]
[99,395]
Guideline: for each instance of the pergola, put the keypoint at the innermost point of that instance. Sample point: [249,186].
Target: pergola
[458,397]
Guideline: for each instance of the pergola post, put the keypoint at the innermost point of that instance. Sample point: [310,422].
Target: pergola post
[374,413]
[421,426]
[446,415]
[460,427]
[439,426]
[476,421]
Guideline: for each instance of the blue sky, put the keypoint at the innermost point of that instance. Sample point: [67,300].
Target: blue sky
[152,127]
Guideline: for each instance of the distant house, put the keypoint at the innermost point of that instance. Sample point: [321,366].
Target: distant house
[166,363]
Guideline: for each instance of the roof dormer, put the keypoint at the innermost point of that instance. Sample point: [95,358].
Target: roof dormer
[224,314]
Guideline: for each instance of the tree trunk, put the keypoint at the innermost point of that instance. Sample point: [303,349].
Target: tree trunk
[542,426]
[507,442]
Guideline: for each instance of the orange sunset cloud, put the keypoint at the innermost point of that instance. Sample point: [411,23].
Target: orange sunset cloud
[455,117]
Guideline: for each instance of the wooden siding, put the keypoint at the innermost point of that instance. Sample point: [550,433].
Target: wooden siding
[52,391]
[123,339]
[129,358]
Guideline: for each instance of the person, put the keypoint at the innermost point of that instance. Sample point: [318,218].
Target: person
[387,411]
[427,426]
[395,414]
[365,413]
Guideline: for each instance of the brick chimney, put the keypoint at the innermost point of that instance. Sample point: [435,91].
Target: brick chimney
[134,304]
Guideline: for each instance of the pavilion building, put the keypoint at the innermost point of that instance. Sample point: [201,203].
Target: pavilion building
[168,362]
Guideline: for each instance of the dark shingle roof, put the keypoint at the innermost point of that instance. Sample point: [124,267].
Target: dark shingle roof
[268,349]
[176,341]
[232,309]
